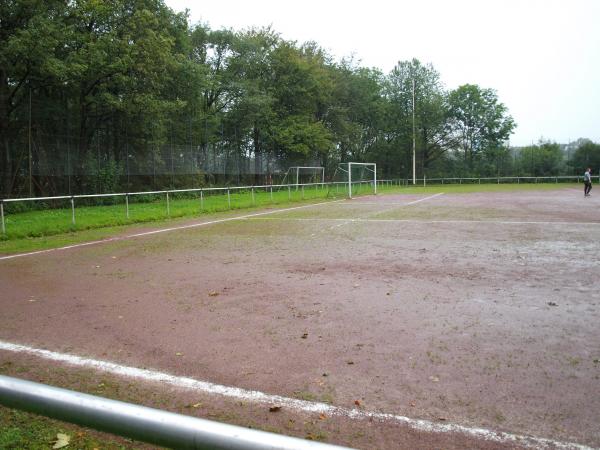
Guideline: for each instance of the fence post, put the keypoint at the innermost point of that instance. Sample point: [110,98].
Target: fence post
[2,214]
[271,194]
[289,193]
[228,198]
[253,202]
[73,210]
[302,192]
[127,205]
[168,209]
[201,200]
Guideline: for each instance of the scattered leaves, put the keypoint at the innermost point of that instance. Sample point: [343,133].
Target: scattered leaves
[305,335]
[274,408]
[62,440]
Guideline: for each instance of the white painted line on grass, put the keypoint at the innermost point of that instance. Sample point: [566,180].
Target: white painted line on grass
[288,403]
[164,230]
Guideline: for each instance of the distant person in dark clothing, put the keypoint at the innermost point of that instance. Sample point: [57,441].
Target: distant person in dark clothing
[587,181]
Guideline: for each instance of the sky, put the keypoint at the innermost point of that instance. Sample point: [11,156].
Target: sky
[541,56]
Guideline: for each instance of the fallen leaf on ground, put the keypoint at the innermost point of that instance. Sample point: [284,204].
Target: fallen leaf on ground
[274,408]
[350,362]
[442,418]
[213,293]
[197,405]
[434,379]
[178,354]
[357,402]
[552,304]
[322,416]
[305,335]
[62,440]
[413,404]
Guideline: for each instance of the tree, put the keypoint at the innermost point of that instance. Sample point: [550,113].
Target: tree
[480,122]
[433,132]
[587,155]
[544,159]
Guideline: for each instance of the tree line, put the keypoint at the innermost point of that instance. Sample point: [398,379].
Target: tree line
[103,96]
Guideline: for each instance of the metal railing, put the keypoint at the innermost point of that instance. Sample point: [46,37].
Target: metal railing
[497,180]
[201,192]
[140,422]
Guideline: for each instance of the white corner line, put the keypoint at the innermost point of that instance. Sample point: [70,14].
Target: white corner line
[423,199]
[376,213]
[164,230]
[289,403]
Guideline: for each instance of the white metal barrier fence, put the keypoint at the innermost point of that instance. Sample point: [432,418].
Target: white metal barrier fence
[496,180]
[142,423]
[339,187]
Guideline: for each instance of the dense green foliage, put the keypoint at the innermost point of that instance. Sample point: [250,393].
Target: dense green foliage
[126,95]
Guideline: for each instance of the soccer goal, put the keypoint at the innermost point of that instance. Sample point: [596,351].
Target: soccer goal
[357,178]
[304,175]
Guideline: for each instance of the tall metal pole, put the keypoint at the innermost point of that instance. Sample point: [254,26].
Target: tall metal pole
[414,134]
[30,164]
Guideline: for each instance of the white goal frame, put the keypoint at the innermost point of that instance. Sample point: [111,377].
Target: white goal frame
[315,168]
[367,166]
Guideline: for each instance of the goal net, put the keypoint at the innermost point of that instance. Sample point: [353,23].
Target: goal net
[355,178]
[304,175]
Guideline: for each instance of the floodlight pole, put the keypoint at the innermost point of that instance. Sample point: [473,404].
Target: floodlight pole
[414,134]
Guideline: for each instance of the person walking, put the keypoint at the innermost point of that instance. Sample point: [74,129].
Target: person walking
[587,181]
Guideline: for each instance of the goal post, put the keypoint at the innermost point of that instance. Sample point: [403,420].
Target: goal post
[295,172]
[360,174]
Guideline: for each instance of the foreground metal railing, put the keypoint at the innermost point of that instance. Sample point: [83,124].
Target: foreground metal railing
[141,423]
[339,187]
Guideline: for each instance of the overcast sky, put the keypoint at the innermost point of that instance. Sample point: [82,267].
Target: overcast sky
[541,56]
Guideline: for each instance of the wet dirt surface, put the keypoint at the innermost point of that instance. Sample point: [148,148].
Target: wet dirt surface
[407,309]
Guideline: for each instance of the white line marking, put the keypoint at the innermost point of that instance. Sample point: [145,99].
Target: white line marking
[375,213]
[164,230]
[291,403]
[423,199]
[493,222]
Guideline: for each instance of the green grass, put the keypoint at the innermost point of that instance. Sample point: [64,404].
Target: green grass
[20,430]
[50,228]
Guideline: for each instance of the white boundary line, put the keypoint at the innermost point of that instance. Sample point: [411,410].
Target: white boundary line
[164,230]
[493,222]
[291,403]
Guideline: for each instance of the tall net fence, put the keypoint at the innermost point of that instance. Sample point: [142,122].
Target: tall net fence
[57,165]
